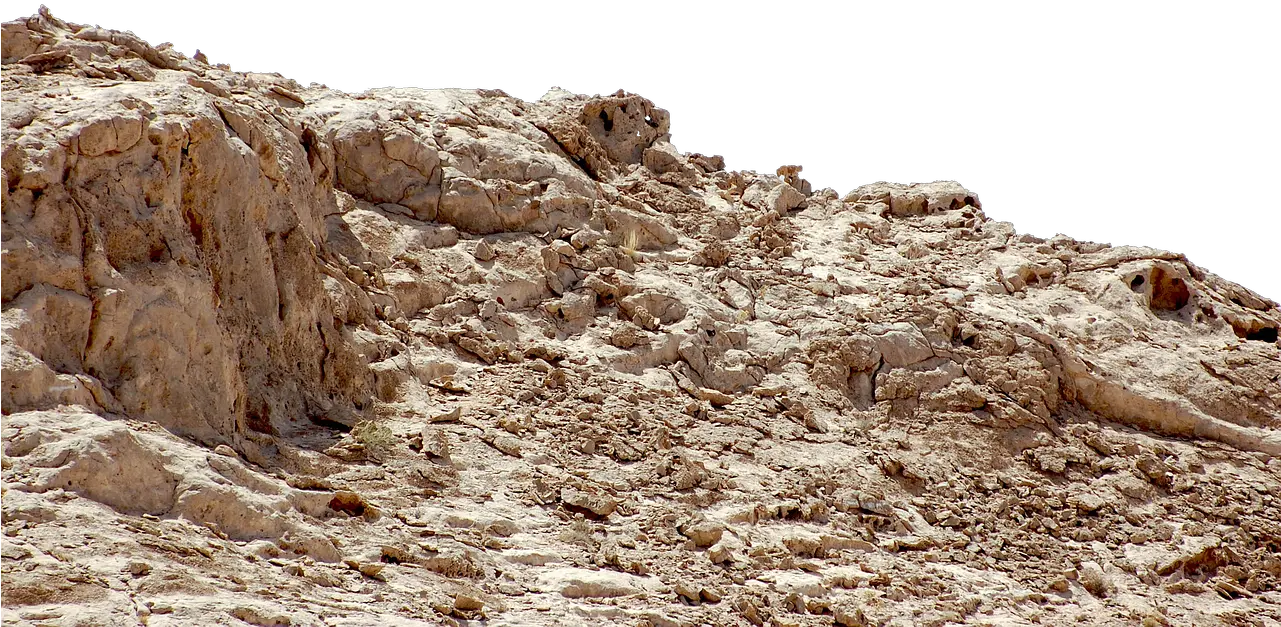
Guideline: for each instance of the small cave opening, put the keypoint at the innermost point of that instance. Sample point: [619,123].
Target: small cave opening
[1137,282]
[1263,334]
[1169,292]
[607,121]
[352,505]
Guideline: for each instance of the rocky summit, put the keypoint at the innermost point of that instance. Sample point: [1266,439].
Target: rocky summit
[280,355]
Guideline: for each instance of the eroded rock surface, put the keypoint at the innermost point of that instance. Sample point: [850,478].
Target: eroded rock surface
[276,354]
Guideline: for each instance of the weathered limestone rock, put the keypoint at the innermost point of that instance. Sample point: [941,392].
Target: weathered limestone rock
[276,354]
[577,583]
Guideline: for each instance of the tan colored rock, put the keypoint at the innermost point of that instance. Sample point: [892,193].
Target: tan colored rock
[1094,579]
[704,534]
[575,583]
[594,502]
[245,318]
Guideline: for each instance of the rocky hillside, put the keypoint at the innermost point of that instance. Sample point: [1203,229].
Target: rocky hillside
[280,355]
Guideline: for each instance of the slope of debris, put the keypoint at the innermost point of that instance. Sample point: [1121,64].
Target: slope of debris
[280,355]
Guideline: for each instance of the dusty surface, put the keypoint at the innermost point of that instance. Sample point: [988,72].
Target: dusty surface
[279,355]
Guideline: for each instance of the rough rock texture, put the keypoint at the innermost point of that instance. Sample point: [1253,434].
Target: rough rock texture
[280,355]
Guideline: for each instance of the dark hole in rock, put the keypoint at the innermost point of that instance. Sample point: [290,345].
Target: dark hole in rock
[1136,282]
[1265,334]
[348,503]
[329,423]
[500,300]
[1169,292]
[604,119]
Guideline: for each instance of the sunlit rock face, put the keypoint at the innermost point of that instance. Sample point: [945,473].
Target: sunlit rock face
[276,354]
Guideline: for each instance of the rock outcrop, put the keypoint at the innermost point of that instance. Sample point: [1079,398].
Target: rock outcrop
[278,354]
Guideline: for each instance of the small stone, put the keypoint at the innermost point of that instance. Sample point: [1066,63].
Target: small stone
[484,251]
[719,554]
[687,591]
[704,534]
[508,444]
[226,451]
[642,318]
[556,379]
[1095,580]
[261,617]
[850,617]
[450,416]
[467,603]
[598,504]
[373,570]
[448,384]
[716,397]
[626,335]
[551,260]
[435,443]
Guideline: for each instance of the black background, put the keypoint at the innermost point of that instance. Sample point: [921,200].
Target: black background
[1090,155]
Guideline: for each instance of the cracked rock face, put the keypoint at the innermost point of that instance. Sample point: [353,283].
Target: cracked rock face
[276,354]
